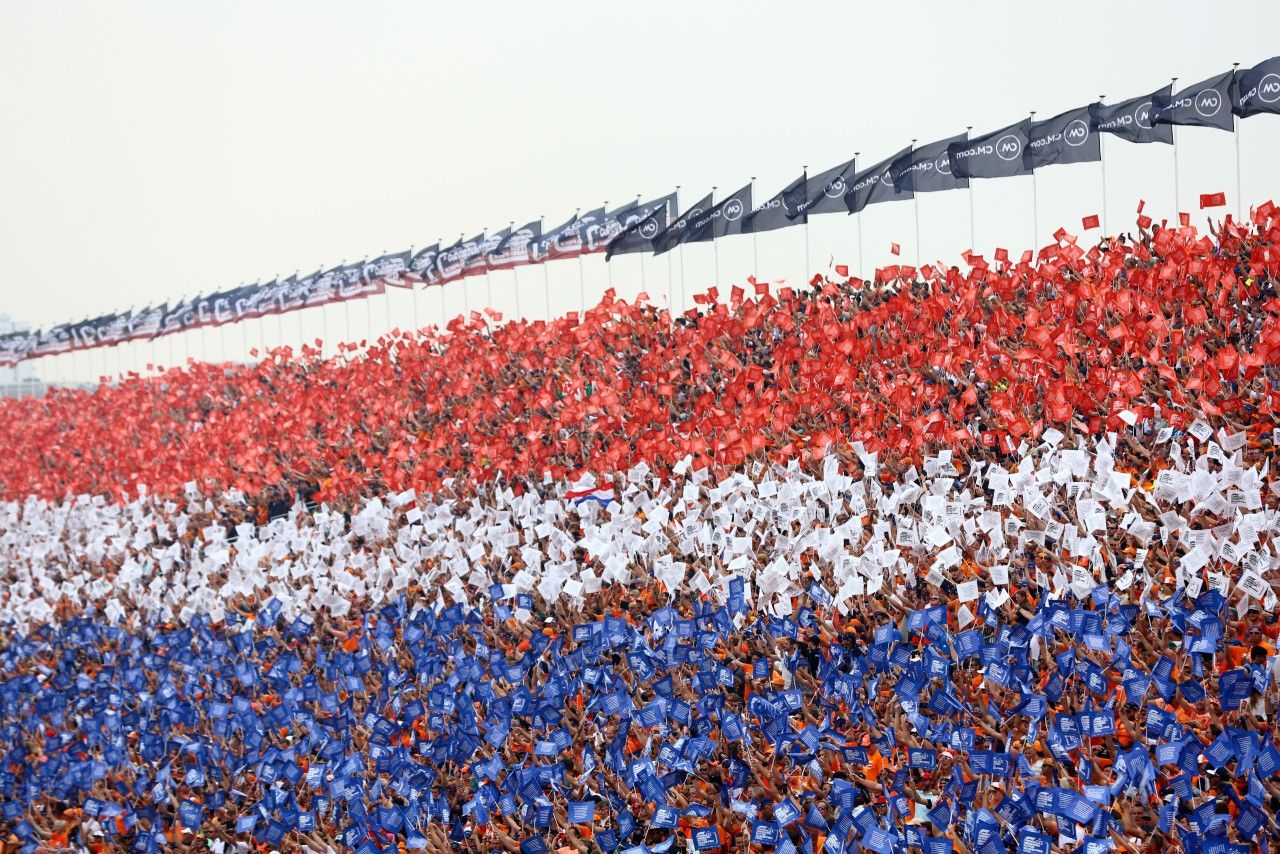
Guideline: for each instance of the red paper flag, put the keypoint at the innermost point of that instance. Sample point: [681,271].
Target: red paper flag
[1144,221]
[896,249]
[842,269]
[762,288]
[1059,234]
[1185,218]
[1091,221]
[1212,200]
[1002,254]
[1142,203]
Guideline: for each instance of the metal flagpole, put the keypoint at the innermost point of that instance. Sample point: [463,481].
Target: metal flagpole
[972,227]
[244,337]
[862,270]
[755,251]
[488,281]
[1177,202]
[324,330]
[582,273]
[1235,70]
[386,291]
[805,171]
[546,276]
[1102,165]
[671,287]
[413,292]
[715,247]
[515,275]
[1035,203]
[915,201]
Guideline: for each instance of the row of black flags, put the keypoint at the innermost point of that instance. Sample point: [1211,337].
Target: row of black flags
[658,226]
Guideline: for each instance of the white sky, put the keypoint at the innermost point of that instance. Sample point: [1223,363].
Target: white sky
[157,149]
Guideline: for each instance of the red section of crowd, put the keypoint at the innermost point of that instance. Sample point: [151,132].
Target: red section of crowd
[919,359]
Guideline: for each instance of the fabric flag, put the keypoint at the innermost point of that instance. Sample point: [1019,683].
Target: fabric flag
[785,208]
[998,154]
[927,169]
[1065,138]
[826,191]
[1131,120]
[724,218]
[516,247]
[422,266]
[388,268]
[1257,90]
[450,262]
[479,260]
[611,225]
[570,240]
[670,237]
[639,234]
[875,184]
[1207,104]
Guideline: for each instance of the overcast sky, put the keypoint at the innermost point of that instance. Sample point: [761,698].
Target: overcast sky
[150,150]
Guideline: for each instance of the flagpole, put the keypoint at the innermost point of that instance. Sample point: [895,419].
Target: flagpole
[862,270]
[1035,203]
[515,272]
[1235,70]
[715,247]
[582,274]
[973,240]
[755,249]
[546,277]
[413,293]
[1102,165]
[671,288]
[805,171]
[244,336]
[915,202]
[1177,203]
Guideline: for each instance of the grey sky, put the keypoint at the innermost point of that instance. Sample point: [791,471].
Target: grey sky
[155,149]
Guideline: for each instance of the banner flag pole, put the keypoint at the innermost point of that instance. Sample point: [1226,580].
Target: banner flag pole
[715,245]
[973,240]
[915,203]
[805,169]
[1235,71]
[1102,166]
[1035,203]
[755,248]
[1177,202]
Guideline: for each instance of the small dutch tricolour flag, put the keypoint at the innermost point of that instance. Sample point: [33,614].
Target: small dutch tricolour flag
[585,488]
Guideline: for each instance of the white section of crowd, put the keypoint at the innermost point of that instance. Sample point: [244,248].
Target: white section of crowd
[1060,515]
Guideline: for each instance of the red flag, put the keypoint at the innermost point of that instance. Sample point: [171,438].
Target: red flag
[1091,221]
[896,249]
[1002,254]
[842,269]
[1059,234]
[762,288]
[1144,221]
[1185,218]
[1142,203]
[1212,200]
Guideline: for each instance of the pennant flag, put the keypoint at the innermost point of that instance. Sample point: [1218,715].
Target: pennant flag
[1207,104]
[875,184]
[1065,138]
[670,237]
[825,192]
[650,220]
[1257,90]
[998,154]
[516,248]
[722,219]
[1212,200]
[927,169]
[1131,120]
[422,266]
[786,208]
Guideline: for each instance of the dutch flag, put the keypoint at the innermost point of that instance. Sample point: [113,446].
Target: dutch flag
[585,488]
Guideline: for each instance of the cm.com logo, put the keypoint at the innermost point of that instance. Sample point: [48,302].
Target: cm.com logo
[733,209]
[1208,103]
[1076,133]
[1269,88]
[1008,147]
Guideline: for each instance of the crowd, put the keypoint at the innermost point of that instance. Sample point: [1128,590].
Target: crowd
[948,563]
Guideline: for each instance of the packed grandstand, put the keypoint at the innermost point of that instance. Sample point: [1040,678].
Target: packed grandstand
[973,559]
